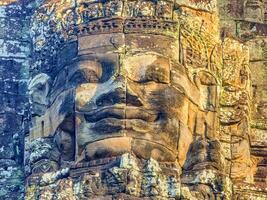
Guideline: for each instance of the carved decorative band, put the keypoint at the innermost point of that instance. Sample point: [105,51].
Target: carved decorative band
[86,11]
[121,25]
[88,17]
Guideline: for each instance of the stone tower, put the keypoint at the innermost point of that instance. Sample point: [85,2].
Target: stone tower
[133,99]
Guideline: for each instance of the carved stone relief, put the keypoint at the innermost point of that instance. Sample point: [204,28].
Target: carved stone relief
[137,100]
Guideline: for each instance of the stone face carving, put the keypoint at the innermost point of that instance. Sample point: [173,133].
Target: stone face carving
[39,88]
[254,10]
[133,99]
[125,103]
[136,100]
[126,93]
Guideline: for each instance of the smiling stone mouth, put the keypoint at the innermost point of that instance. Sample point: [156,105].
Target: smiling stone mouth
[121,113]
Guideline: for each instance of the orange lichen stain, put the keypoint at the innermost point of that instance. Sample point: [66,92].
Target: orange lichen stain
[6,2]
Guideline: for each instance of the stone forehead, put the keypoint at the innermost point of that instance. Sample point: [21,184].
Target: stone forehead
[128,43]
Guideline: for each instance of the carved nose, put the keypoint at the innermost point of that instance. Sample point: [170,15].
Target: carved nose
[120,95]
[132,99]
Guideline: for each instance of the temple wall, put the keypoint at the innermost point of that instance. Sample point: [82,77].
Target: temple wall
[14,65]
[246,21]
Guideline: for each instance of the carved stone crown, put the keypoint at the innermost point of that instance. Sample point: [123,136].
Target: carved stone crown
[123,16]
[57,22]
[75,17]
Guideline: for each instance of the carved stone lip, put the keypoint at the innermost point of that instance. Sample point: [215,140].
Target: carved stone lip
[121,112]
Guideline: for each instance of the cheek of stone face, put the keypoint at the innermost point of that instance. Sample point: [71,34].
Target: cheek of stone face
[84,94]
[163,98]
[167,102]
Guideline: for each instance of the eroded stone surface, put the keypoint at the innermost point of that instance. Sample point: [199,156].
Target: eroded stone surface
[133,99]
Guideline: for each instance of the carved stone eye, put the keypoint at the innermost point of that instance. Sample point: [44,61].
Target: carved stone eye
[156,74]
[85,76]
[148,68]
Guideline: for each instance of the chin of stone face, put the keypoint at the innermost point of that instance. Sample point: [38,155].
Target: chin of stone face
[133,99]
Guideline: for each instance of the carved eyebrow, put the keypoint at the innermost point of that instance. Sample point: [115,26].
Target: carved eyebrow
[156,67]
[87,58]
[150,74]
[103,61]
[144,53]
[80,58]
[141,59]
[85,74]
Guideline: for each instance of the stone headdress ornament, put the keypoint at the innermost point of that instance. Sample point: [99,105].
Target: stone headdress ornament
[59,21]
[79,17]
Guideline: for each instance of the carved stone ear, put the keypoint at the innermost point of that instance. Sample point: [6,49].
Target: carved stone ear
[207,85]
[66,144]
[39,88]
